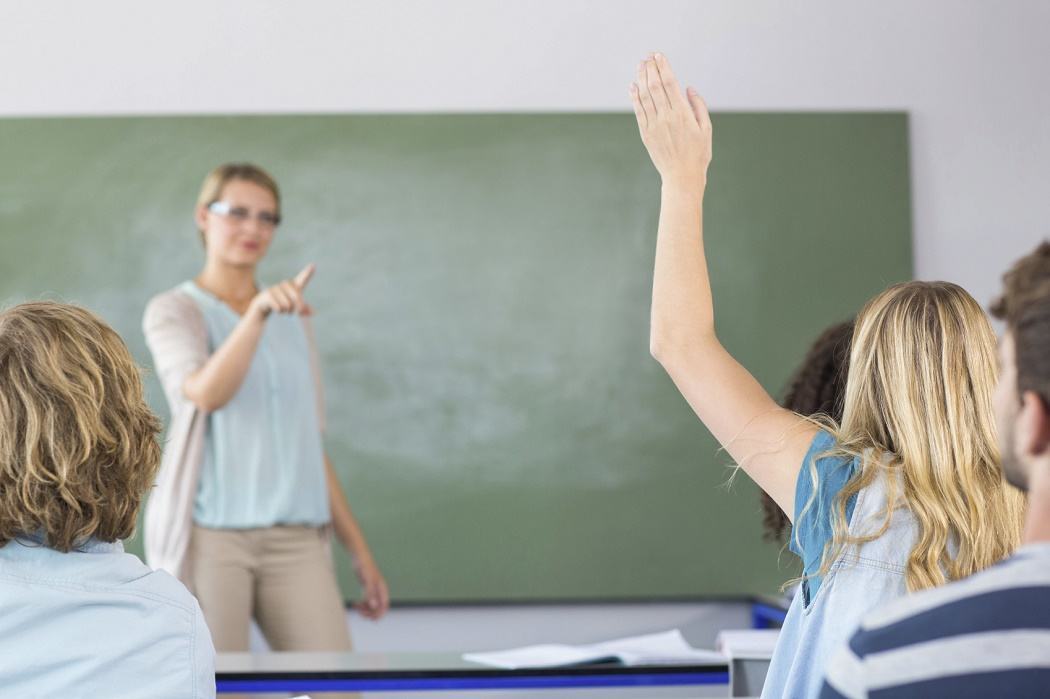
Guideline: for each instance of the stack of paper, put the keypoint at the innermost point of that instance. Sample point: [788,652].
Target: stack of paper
[668,648]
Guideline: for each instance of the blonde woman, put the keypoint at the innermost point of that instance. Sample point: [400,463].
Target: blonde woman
[906,492]
[78,451]
[246,494]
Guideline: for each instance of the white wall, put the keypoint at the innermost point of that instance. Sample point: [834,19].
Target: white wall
[973,74]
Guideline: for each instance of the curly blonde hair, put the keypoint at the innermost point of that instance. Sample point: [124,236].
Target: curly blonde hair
[78,443]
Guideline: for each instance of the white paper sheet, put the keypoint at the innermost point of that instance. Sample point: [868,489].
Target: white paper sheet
[667,648]
[748,644]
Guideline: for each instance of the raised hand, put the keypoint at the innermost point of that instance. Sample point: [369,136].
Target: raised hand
[285,296]
[675,127]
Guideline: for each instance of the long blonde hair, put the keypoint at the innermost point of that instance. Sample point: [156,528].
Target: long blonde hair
[918,408]
[78,443]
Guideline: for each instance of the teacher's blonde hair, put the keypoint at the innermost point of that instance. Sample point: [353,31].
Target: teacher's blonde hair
[78,443]
[918,408]
[216,180]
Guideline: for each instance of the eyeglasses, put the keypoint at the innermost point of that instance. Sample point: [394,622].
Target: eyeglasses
[241,214]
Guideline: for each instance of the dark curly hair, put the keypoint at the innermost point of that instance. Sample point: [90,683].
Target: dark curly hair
[817,386]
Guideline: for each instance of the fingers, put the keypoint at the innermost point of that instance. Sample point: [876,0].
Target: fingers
[669,82]
[287,296]
[279,301]
[294,294]
[656,86]
[375,608]
[376,600]
[644,96]
[365,610]
[655,90]
[382,600]
[699,107]
[304,276]
[639,110]
[384,597]
[282,297]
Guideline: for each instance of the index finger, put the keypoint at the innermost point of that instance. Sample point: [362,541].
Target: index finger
[304,276]
[384,596]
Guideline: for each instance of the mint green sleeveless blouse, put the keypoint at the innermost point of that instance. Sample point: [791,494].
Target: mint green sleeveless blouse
[263,462]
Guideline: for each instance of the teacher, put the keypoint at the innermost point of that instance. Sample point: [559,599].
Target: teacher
[246,496]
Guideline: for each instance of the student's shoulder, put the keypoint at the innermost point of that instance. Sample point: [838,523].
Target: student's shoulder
[175,616]
[824,451]
[157,585]
[961,607]
[825,469]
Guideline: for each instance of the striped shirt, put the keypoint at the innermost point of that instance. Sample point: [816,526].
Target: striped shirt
[986,636]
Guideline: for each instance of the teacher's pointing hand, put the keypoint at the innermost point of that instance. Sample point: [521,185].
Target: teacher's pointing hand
[285,296]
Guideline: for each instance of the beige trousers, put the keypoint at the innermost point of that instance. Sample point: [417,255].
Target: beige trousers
[282,577]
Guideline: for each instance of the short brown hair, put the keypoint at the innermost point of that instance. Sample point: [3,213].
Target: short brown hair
[78,443]
[1025,306]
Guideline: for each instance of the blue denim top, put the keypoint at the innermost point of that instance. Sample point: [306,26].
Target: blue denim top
[820,480]
[821,620]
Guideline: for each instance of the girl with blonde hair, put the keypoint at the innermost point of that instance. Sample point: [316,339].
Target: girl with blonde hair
[904,494]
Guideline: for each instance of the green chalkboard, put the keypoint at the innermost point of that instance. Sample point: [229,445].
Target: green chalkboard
[482,293]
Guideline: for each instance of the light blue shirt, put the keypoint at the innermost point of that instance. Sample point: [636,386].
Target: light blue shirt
[263,455]
[97,622]
[821,619]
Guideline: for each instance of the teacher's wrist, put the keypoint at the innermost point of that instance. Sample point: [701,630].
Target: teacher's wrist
[361,554]
[257,313]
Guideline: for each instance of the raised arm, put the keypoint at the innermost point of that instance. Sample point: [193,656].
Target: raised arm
[766,440]
[218,380]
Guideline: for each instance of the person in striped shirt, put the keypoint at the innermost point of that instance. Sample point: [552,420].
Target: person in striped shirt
[987,635]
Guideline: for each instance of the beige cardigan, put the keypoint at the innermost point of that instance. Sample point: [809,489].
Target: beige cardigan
[178,340]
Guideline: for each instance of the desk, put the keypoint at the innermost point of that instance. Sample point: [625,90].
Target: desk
[768,611]
[378,672]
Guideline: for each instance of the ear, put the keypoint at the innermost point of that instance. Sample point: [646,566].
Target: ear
[1033,434]
[200,216]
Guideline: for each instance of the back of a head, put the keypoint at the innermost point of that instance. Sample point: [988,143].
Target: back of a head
[78,443]
[922,374]
[1025,306]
